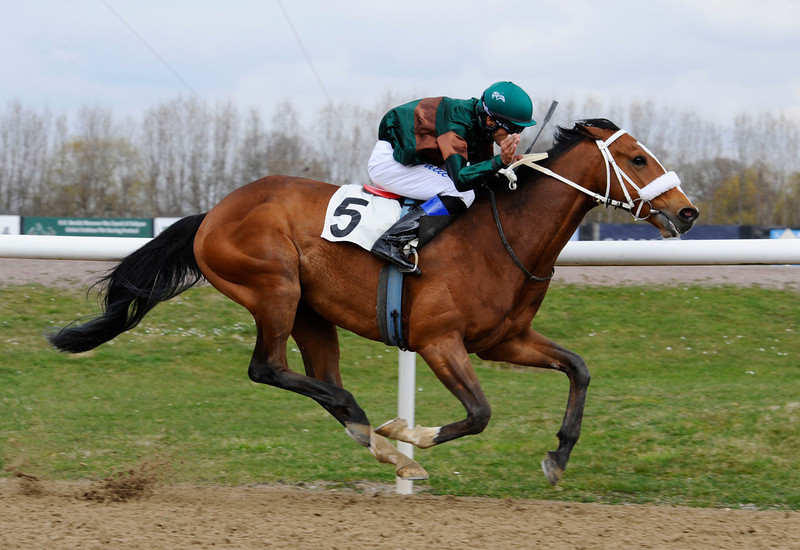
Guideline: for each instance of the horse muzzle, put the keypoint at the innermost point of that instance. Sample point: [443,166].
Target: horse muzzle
[674,224]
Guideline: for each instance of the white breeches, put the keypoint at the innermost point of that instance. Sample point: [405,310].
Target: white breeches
[420,181]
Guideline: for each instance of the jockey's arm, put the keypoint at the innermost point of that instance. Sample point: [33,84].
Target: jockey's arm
[470,176]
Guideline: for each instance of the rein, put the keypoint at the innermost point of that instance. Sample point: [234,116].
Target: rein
[530,275]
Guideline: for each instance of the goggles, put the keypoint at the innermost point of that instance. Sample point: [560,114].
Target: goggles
[509,127]
[506,125]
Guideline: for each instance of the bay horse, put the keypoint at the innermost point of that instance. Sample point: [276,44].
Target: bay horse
[261,247]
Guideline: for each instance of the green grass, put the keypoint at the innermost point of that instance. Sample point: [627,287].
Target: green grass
[695,400]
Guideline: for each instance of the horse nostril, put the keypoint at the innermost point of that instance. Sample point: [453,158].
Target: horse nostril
[689,214]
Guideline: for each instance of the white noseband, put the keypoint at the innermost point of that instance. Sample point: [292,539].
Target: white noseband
[659,186]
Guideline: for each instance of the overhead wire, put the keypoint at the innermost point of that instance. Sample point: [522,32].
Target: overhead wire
[305,52]
[177,75]
[153,50]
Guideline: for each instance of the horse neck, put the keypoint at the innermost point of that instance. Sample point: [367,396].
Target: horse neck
[545,212]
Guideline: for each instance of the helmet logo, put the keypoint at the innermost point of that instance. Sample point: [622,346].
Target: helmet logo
[498,96]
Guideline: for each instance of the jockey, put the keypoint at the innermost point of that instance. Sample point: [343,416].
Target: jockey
[439,150]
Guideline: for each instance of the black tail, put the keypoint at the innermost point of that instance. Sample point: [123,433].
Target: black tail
[158,271]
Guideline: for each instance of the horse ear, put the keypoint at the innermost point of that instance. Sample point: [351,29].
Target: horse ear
[590,131]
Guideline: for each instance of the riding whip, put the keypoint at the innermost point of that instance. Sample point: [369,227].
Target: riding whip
[546,119]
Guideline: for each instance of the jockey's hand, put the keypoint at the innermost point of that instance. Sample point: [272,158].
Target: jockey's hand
[508,149]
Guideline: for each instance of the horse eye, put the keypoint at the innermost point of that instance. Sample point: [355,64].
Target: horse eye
[639,160]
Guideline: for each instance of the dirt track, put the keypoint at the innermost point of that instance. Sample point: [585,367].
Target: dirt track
[55,515]
[180,516]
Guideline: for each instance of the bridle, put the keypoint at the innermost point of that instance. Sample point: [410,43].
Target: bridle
[657,187]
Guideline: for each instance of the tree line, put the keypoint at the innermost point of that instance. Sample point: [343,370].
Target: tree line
[183,156]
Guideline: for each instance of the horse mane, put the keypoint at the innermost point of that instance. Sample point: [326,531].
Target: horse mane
[566,138]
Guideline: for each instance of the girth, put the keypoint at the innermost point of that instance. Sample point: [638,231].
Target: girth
[390,298]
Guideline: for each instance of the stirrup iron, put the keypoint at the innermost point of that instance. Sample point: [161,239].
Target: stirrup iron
[411,250]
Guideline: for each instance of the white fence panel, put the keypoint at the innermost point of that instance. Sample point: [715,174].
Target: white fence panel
[678,252]
[664,252]
[46,247]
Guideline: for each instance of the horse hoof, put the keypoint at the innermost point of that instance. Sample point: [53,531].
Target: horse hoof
[359,432]
[391,428]
[552,471]
[412,472]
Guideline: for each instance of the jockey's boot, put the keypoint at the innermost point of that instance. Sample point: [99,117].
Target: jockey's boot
[416,229]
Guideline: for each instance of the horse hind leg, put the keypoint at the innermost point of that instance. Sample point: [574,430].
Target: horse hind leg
[405,467]
[318,342]
[270,289]
[271,367]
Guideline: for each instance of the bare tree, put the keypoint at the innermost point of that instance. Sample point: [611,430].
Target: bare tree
[218,177]
[288,151]
[787,211]
[251,158]
[157,148]
[344,148]
[24,151]
[184,173]
[96,172]
[704,178]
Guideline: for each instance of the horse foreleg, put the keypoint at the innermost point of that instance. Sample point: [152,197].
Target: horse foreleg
[418,436]
[450,363]
[534,350]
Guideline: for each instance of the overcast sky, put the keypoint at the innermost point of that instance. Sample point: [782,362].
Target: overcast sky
[717,57]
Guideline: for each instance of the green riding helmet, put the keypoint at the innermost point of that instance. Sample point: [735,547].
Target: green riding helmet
[508,102]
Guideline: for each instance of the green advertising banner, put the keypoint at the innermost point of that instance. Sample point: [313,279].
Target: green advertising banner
[88,227]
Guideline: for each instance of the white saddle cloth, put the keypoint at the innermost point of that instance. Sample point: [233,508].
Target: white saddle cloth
[359,217]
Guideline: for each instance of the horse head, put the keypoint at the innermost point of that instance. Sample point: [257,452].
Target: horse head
[636,181]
